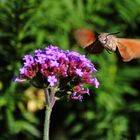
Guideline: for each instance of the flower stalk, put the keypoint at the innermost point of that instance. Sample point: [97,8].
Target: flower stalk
[50,101]
[47,123]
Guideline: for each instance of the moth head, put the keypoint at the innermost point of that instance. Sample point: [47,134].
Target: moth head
[109,41]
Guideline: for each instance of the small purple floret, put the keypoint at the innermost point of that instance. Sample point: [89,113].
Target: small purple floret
[79,72]
[52,80]
[96,82]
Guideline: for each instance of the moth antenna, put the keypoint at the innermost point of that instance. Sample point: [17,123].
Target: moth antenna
[113,33]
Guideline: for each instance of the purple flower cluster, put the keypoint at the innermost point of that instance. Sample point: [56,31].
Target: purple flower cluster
[52,67]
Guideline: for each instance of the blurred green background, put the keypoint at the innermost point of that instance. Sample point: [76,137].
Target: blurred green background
[111,112]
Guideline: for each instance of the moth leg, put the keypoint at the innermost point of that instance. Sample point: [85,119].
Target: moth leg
[110,52]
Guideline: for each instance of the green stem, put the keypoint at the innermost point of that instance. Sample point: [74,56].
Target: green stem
[47,123]
[50,101]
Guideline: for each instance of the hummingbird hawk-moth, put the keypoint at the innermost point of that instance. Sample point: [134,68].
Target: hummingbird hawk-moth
[95,43]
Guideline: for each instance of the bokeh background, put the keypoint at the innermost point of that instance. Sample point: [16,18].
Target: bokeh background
[111,112]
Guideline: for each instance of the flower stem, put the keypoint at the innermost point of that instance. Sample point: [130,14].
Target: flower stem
[47,123]
[50,101]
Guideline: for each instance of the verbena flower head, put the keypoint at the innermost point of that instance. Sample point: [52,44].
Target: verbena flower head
[52,67]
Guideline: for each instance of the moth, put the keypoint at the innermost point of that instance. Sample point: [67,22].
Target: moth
[95,43]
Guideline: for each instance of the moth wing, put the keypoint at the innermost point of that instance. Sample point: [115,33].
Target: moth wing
[84,37]
[95,48]
[129,49]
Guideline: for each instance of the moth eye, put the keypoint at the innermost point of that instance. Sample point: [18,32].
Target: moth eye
[104,41]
